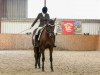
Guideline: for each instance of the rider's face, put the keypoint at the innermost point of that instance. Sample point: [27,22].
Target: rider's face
[44,11]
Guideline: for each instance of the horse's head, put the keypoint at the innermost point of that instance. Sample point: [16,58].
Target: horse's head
[50,27]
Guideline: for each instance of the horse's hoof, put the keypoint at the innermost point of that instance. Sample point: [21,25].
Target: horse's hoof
[35,66]
[52,70]
[43,70]
[39,67]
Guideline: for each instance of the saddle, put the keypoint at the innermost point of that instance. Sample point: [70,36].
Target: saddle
[39,33]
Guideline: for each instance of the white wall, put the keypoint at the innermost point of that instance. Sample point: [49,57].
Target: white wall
[91,28]
[16,27]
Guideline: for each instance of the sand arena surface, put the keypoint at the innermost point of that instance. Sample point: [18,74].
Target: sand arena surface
[65,63]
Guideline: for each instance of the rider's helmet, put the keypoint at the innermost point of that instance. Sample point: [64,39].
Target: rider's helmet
[44,10]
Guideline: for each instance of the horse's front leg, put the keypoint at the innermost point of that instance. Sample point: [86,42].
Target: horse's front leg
[43,59]
[35,55]
[39,56]
[51,59]
[35,61]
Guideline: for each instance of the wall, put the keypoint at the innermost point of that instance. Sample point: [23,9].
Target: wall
[17,26]
[98,43]
[8,41]
[91,28]
[77,42]
[63,42]
[1,8]
[15,8]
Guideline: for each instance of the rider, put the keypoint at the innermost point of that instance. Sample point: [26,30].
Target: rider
[43,17]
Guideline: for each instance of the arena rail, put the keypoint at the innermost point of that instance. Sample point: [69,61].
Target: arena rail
[63,42]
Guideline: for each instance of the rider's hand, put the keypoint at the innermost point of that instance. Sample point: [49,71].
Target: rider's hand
[30,27]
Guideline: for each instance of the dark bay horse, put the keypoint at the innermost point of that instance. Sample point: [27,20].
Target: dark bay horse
[47,40]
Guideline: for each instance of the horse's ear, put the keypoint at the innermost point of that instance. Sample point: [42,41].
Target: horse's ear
[54,20]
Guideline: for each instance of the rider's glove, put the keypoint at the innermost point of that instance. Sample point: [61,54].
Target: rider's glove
[30,27]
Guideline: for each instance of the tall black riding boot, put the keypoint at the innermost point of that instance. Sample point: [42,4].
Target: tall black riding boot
[36,41]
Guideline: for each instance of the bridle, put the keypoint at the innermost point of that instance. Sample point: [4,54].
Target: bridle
[48,30]
[49,27]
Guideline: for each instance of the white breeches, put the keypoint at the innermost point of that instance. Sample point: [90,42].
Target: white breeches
[38,30]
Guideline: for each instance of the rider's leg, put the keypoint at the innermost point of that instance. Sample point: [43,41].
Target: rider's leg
[36,40]
[36,37]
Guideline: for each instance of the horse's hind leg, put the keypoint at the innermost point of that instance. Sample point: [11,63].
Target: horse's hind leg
[51,59]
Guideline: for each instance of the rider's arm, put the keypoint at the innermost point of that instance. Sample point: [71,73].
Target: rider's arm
[35,21]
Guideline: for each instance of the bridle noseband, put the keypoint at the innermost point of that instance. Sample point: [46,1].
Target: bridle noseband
[49,31]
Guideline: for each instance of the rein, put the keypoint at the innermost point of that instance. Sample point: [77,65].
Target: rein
[50,33]
[24,30]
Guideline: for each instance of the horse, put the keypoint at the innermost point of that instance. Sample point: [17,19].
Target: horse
[46,40]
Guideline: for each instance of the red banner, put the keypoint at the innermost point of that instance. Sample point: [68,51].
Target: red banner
[68,27]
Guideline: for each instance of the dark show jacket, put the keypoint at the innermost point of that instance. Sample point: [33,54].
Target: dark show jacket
[42,19]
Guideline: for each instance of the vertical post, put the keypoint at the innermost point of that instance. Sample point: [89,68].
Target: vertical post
[0,25]
[44,3]
[1,11]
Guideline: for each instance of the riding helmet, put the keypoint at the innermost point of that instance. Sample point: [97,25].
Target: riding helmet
[44,10]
